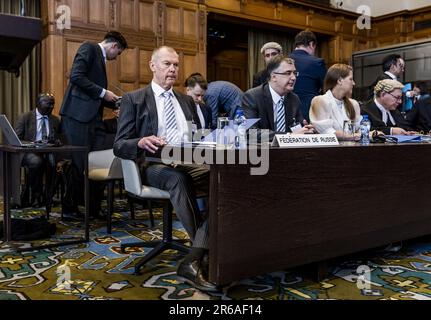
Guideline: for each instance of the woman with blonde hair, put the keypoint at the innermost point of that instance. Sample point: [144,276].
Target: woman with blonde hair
[328,112]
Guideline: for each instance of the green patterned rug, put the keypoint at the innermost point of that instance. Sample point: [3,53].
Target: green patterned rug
[99,271]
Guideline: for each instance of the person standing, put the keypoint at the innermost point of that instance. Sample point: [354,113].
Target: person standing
[86,96]
[269,50]
[311,69]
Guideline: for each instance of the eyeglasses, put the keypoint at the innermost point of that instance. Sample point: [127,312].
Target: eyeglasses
[396,98]
[271,54]
[288,73]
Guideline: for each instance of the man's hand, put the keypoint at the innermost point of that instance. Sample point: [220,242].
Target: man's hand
[412,133]
[151,143]
[307,129]
[110,96]
[397,130]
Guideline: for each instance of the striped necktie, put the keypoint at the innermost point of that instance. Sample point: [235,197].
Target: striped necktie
[170,121]
[281,121]
[44,130]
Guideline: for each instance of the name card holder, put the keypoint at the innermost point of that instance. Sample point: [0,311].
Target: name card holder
[304,140]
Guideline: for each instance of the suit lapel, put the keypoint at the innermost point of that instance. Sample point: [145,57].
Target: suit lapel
[287,111]
[183,105]
[152,110]
[52,130]
[33,125]
[101,58]
[269,106]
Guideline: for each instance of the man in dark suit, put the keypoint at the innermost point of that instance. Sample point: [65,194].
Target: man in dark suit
[419,116]
[269,50]
[275,103]
[383,112]
[38,125]
[196,85]
[86,96]
[312,70]
[150,118]
[393,67]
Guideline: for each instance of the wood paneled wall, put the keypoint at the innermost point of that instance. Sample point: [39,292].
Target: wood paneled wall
[146,24]
[183,24]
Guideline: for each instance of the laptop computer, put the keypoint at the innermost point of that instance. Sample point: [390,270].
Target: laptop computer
[10,134]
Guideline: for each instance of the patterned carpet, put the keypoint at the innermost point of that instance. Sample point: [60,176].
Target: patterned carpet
[99,271]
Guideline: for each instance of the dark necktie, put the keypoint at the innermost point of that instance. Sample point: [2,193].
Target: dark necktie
[44,119]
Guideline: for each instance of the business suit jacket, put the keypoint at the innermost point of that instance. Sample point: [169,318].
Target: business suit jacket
[375,116]
[419,117]
[82,100]
[260,78]
[206,112]
[138,119]
[26,125]
[257,103]
[312,71]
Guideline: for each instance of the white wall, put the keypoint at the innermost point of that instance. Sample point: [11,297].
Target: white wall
[382,7]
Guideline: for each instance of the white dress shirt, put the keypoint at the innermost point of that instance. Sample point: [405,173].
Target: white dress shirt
[183,133]
[386,114]
[200,115]
[39,119]
[275,98]
[393,77]
[104,59]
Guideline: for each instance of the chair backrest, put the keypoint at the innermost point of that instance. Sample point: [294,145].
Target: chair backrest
[132,176]
[105,164]
[115,171]
[100,159]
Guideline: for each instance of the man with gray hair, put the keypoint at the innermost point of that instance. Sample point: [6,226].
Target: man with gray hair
[150,118]
[383,112]
[275,103]
[269,50]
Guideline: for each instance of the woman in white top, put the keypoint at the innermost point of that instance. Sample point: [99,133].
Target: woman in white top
[329,111]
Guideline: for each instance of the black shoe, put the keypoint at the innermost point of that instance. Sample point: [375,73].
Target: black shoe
[193,273]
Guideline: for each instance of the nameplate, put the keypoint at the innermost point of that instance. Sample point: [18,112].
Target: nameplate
[304,140]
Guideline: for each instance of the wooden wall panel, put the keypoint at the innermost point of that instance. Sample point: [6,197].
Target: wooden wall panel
[128,65]
[145,74]
[190,25]
[127,14]
[97,12]
[173,25]
[71,49]
[145,16]
[144,23]
[78,9]
[183,24]
[189,66]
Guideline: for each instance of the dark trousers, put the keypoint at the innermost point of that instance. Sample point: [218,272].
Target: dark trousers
[37,165]
[91,135]
[183,184]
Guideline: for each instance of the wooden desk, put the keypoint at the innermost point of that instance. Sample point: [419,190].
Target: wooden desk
[7,151]
[315,204]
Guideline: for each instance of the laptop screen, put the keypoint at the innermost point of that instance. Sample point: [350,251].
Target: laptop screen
[9,133]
